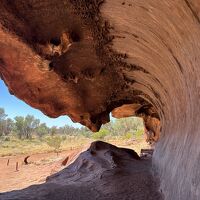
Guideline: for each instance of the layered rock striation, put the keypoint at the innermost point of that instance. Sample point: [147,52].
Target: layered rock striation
[86,59]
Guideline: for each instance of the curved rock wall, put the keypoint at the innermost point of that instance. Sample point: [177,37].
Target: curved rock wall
[86,58]
[162,37]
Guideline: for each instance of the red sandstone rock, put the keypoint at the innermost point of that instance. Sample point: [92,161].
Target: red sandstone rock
[85,58]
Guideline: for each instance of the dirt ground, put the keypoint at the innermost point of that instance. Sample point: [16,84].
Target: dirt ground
[102,172]
[41,166]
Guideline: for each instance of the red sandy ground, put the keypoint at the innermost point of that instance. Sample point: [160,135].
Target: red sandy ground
[41,166]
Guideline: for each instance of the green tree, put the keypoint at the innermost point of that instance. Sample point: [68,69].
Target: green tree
[84,131]
[54,142]
[19,126]
[128,125]
[2,121]
[30,124]
[68,130]
[26,126]
[9,126]
[42,130]
[2,114]
[53,130]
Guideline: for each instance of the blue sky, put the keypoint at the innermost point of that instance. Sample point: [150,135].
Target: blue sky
[15,107]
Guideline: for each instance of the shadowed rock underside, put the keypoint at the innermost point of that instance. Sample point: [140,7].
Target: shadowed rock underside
[102,172]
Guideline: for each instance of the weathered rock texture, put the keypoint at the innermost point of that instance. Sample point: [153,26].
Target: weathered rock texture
[103,172]
[84,58]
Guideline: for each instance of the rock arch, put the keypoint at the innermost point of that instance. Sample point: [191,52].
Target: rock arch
[112,53]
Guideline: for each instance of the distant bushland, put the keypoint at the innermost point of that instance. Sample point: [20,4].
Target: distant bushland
[21,134]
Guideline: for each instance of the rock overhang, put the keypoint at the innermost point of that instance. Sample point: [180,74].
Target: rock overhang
[138,52]
[61,60]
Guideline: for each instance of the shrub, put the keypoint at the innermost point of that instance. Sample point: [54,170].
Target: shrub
[54,142]
[7,139]
[138,134]
[101,134]
[64,137]
[128,136]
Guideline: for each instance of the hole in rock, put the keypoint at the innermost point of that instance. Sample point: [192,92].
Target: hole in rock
[75,36]
[55,41]
[51,66]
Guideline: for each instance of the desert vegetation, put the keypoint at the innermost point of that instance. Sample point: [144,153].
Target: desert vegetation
[24,134]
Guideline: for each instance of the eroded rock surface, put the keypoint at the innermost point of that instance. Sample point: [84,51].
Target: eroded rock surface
[102,172]
[57,56]
[84,58]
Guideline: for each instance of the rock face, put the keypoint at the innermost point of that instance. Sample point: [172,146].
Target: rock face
[102,172]
[85,58]
[57,56]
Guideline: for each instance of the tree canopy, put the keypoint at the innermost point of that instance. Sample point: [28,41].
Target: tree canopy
[28,127]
